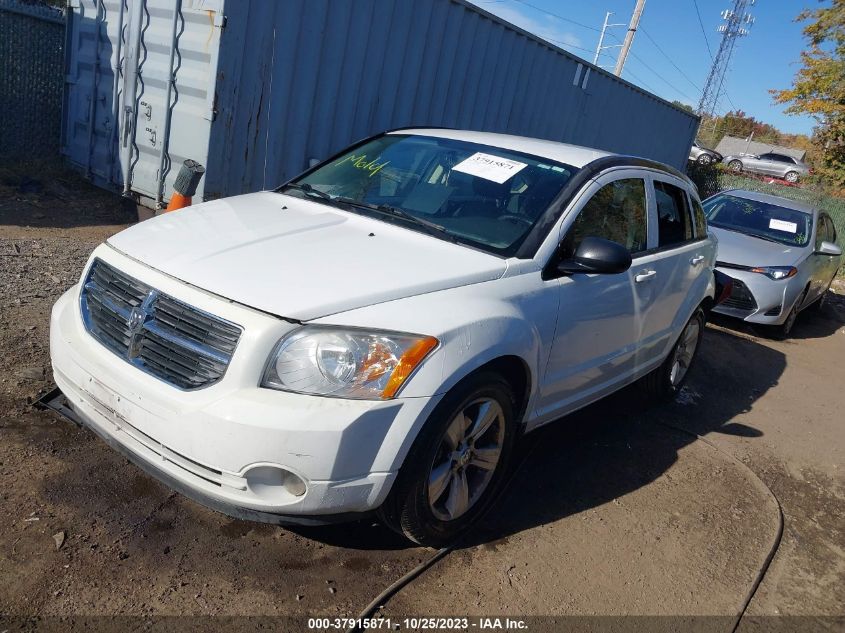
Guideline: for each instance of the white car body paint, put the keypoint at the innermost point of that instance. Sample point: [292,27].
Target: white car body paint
[268,269]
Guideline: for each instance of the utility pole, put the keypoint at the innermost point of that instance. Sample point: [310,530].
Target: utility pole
[604,28]
[737,22]
[629,37]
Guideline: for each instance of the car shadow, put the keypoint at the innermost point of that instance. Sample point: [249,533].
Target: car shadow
[612,447]
[46,193]
[811,323]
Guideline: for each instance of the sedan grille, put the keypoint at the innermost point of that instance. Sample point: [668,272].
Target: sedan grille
[740,297]
[175,342]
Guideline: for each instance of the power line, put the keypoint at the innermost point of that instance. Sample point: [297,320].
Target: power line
[559,17]
[703,30]
[662,52]
[657,74]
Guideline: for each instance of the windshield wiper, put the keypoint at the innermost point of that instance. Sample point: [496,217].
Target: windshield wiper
[309,190]
[748,233]
[386,209]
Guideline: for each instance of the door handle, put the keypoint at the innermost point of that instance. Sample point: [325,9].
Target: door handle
[645,276]
[695,261]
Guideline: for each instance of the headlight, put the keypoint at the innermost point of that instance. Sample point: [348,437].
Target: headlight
[776,272]
[346,363]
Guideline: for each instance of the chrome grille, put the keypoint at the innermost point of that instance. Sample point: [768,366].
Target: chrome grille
[169,339]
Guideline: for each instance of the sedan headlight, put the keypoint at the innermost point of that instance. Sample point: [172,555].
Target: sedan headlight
[776,272]
[345,362]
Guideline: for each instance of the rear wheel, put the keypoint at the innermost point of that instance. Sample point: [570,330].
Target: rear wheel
[705,159]
[792,177]
[735,165]
[456,465]
[667,380]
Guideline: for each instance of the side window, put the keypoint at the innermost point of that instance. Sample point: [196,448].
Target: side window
[617,212]
[699,218]
[673,217]
[767,157]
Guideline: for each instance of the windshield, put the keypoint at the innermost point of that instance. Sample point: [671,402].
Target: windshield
[486,197]
[759,219]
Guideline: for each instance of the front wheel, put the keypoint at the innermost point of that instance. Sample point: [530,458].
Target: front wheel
[735,165]
[666,381]
[456,465]
[705,159]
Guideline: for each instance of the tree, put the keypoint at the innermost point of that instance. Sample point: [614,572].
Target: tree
[818,88]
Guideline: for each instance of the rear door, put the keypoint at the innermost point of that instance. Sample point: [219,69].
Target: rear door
[671,279]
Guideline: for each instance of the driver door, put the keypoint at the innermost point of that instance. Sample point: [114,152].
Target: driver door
[595,345]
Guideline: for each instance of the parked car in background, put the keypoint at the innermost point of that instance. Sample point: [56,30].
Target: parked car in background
[781,256]
[378,332]
[703,155]
[771,164]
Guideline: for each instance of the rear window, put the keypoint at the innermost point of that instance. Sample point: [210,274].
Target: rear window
[673,217]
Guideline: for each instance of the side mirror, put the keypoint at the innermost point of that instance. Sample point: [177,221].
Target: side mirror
[829,248]
[597,255]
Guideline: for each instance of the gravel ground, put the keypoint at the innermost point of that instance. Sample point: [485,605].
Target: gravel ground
[611,514]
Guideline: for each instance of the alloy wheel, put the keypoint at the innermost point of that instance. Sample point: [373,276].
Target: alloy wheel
[684,352]
[466,459]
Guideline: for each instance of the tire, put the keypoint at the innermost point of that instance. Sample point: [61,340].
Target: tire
[414,506]
[667,380]
[819,304]
[791,176]
[735,165]
[704,159]
[783,331]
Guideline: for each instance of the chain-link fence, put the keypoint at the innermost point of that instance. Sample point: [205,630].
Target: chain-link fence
[711,179]
[32,36]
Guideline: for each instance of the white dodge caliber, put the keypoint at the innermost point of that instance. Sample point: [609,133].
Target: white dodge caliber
[378,332]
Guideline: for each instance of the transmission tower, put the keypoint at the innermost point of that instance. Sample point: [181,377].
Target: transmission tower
[737,23]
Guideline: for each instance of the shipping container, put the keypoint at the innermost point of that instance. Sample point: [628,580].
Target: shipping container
[257,89]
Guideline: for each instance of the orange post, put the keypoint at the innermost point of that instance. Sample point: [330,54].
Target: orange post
[186,185]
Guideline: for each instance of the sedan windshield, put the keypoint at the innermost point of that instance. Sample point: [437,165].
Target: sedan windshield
[759,219]
[483,196]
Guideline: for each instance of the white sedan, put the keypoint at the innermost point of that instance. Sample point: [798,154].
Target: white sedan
[378,332]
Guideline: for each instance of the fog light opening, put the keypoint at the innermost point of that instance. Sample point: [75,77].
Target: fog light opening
[273,482]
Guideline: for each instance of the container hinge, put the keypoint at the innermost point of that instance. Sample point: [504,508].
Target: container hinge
[220,20]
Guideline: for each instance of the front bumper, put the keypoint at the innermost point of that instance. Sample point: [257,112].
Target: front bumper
[217,444]
[758,299]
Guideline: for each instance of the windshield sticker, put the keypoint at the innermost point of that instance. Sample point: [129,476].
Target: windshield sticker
[490,167]
[781,225]
[361,162]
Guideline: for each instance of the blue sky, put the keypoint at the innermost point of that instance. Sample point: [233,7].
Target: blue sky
[767,58]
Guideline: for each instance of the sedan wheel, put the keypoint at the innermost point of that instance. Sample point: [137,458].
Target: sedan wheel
[792,177]
[705,159]
[735,165]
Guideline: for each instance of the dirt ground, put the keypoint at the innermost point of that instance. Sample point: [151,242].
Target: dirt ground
[615,510]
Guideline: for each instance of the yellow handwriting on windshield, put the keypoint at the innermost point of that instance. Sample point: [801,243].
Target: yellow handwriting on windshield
[361,162]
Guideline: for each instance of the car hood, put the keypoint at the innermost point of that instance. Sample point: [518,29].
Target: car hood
[300,259]
[744,250]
